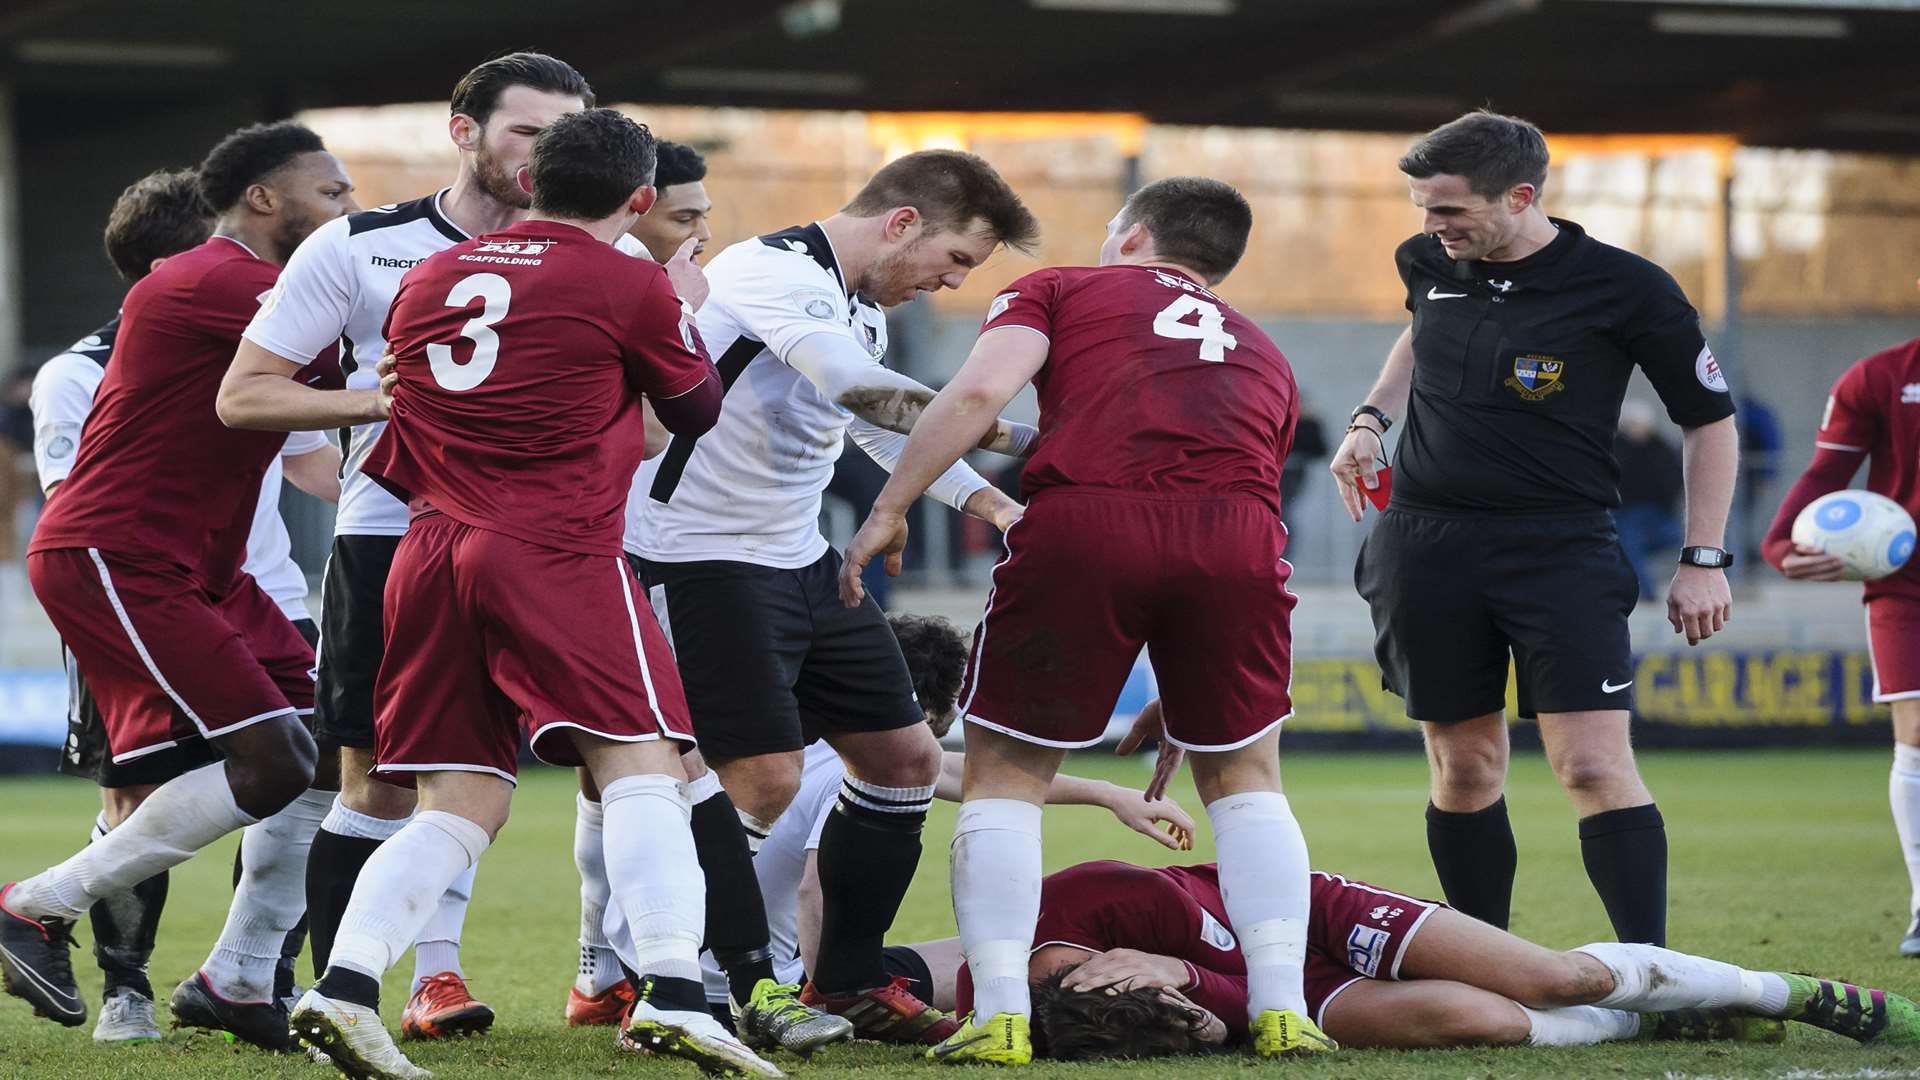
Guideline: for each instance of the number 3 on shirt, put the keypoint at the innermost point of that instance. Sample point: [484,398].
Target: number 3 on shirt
[497,294]
[1209,329]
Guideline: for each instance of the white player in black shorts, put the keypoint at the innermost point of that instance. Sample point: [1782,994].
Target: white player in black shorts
[741,577]
[162,214]
[1498,540]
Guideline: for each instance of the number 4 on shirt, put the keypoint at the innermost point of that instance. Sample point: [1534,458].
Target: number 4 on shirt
[1209,328]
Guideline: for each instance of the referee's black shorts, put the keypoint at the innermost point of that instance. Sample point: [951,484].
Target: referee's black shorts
[1453,597]
[771,659]
[352,638]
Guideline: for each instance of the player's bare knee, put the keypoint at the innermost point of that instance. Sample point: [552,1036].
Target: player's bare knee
[269,764]
[1469,779]
[762,785]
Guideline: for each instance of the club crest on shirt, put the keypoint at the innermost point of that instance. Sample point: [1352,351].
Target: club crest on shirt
[1215,933]
[999,305]
[1535,377]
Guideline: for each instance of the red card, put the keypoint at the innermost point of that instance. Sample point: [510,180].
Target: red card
[1379,495]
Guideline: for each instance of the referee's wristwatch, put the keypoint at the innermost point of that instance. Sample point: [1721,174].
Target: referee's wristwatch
[1712,558]
[1368,410]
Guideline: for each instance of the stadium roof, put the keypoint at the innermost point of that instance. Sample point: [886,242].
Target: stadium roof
[1771,72]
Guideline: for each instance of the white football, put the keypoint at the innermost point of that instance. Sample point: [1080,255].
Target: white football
[1871,533]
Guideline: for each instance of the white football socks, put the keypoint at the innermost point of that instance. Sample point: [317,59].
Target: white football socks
[1903,791]
[342,821]
[270,898]
[1648,978]
[182,816]
[996,872]
[400,887]
[1580,1025]
[599,970]
[654,873]
[438,947]
[1264,882]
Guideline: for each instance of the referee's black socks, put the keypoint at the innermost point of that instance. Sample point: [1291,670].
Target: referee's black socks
[1474,856]
[1626,855]
[869,850]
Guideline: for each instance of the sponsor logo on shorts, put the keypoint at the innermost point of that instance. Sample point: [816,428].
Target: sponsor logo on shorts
[1536,377]
[1386,913]
[1366,945]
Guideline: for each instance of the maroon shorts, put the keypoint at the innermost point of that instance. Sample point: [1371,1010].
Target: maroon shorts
[488,636]
[1893,646]
[1356,932]
[1090,578]
[164,659]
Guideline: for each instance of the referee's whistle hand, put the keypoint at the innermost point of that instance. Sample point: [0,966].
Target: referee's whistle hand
[1354,465]
[1699,602]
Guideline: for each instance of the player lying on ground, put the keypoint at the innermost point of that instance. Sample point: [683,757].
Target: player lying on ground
[1137,962]
[788,862]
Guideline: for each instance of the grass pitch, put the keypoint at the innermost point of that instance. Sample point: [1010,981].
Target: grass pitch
[1781,859]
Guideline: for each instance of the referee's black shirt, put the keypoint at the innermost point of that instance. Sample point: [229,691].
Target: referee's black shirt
[1519,369]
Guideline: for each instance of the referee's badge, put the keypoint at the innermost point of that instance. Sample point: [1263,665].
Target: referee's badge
[1535,377]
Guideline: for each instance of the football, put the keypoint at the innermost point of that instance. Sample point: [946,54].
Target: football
[1871,533]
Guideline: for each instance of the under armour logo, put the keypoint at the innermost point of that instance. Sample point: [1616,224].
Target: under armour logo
[1503,286]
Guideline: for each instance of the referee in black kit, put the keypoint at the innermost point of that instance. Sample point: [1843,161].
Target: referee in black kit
[1498,538]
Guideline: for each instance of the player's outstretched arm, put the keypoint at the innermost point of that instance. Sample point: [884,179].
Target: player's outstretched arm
[1134,809]
[1003,360]
[883,397]
[1830,470]
[1357,463]
[1699,602]
[258,393]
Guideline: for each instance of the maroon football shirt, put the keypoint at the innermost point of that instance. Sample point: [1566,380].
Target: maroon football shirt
[1152,385]
[522,355]
[157,474]
[1875,408]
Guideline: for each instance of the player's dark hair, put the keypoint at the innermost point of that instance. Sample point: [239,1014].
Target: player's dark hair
[1198,222]
[586,164]
[952,190]
[478,92]
[676,163]
[936,661]
[250,155]
[1092,1025]
[160,214]
[1494,153]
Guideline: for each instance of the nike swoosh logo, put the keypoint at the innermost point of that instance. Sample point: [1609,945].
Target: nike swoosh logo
[1607,687]
[59,997]
[948,1048]
[1434,293]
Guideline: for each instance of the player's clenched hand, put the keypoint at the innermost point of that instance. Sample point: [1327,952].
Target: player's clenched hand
[389,371]
[1127,969]
[688,279]
[1357,463]
[1809,564]
[1699,603]
[882,534]
[1144,815]
[1152,724]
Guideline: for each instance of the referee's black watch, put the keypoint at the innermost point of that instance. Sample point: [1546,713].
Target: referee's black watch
[1712,558]
[1368,410]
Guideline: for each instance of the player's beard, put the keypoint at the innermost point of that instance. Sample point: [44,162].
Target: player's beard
[891,282]
[493,179]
